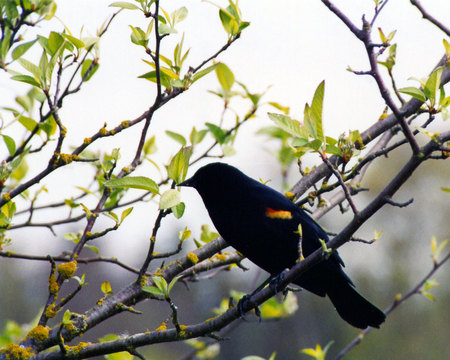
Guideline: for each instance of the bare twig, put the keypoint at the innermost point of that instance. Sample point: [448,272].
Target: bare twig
[430,18]
[397,302]
[336,173]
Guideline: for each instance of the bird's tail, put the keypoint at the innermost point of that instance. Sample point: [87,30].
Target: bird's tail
[354,308]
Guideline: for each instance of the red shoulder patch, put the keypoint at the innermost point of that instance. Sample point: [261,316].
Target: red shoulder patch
[278,214]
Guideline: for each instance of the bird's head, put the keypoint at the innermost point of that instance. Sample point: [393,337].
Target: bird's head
[217,176]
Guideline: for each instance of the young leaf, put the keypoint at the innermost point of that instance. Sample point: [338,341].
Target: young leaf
[134,182]
[169,198]
[10,144]
[88,70]
[152,290]
[282,108]
[446,47]
[125,213]
[55,41]
[289,125]
[160,283]
[172,283]
[432,85]
[179,164]
[26,79]
[106,288]
[196,137]
[22,49]
[229,23]
[315,126]
[218,133]
[149,146]
[73,40]
[27,122]
[124,5]
[225,76]
[66,317]
[177,137]
[179,15]
[203,72]
[414,92]
[178,210]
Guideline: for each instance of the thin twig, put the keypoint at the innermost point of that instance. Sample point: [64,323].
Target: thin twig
[397,302]
[430,18]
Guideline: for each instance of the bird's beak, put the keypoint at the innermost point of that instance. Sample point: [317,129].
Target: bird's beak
[188,182]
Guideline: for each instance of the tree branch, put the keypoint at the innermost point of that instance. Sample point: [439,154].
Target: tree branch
[397,302]
[430,18]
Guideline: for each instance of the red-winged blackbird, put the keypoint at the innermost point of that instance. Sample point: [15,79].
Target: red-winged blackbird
[264,226]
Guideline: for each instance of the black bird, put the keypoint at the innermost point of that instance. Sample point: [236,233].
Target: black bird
[263,225]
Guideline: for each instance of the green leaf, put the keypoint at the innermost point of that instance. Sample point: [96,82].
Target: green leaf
[179,15]
[446,47]
[331,149]
[149,146]
[177,137]
[26,79]
[225,76]
[178,210]
[4,42]
[73,40]
[197,137]
[151,76]
[207,235]
[166,29]
[125,213]
[382,36]
[432,85]
[169,198]
[20,168]
[124,5]
[27,122]
[134,182]
[229,23]
[66,317]
[243,25]
[160,283]
[87,67]
[292,126]
[105,287]
[49,126]
[284,109]
[414,92]
[138,36]
[32,68]
[172,283]
[109,214]
[218,133]
[179,164]
[10,144]
[313,114]
[55,41]
[198,75]
[22,49]
[152,290]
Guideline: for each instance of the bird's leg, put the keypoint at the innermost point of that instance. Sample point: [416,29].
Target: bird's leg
[289,288]
[274,281]
[274,284]
[246,298]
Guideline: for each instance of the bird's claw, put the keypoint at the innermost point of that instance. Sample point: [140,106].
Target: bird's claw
[275,281]
[242,303]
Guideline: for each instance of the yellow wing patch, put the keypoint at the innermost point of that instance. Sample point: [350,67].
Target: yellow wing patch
[278,214]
